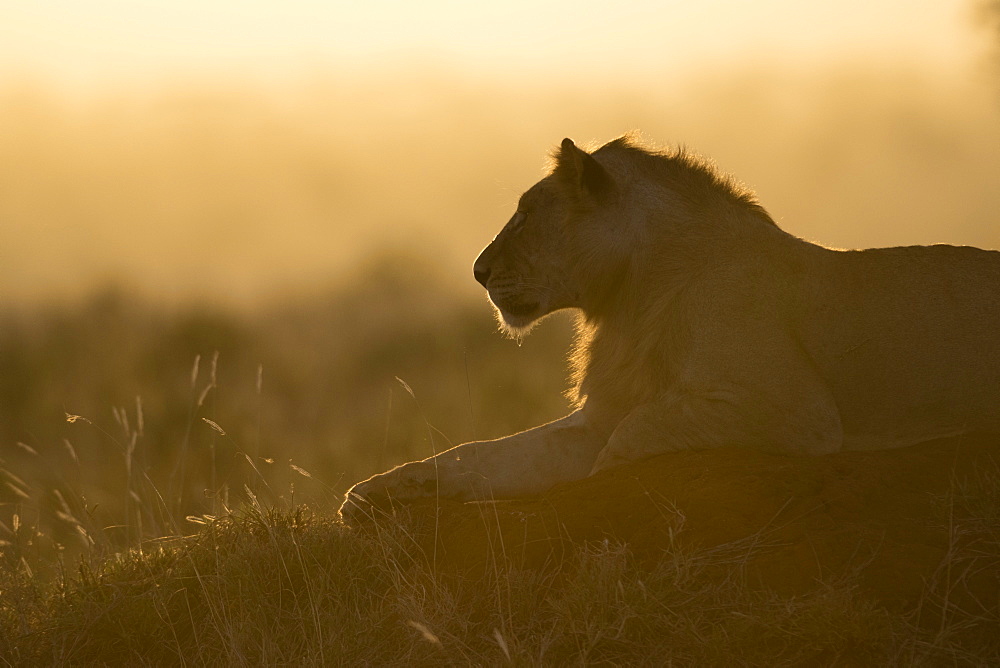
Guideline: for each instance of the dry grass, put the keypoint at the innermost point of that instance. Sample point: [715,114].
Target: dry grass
[264,587]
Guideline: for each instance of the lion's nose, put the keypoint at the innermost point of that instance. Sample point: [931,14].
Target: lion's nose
[481,273]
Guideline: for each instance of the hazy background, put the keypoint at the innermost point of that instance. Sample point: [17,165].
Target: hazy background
[235,150]
[300,188]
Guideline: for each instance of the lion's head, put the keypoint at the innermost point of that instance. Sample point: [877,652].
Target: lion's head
[601,224]
[544,258]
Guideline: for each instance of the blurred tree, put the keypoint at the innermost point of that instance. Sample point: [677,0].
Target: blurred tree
[989,17]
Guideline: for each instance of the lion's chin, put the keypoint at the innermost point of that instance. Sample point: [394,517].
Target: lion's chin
[516,320]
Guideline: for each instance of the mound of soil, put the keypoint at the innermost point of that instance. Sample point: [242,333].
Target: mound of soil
[902,525]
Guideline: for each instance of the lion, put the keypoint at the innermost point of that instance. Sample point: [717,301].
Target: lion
[703,324]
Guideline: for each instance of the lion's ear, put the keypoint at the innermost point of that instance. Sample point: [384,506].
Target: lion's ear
[579,171]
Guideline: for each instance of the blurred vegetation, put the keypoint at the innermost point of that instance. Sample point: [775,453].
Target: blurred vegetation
[303,398]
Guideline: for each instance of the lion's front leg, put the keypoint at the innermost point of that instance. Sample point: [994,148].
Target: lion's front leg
[805,422]
[526,463]
[404,483]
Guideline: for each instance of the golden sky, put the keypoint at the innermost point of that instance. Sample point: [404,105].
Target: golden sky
[89,42]
[231,150]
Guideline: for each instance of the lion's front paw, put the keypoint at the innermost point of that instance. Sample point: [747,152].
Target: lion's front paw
[358,508]
[379,494]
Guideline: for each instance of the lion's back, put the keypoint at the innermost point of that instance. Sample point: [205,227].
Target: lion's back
[908,340]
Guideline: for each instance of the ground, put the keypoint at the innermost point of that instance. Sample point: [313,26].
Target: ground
[713,558]
[907,526]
